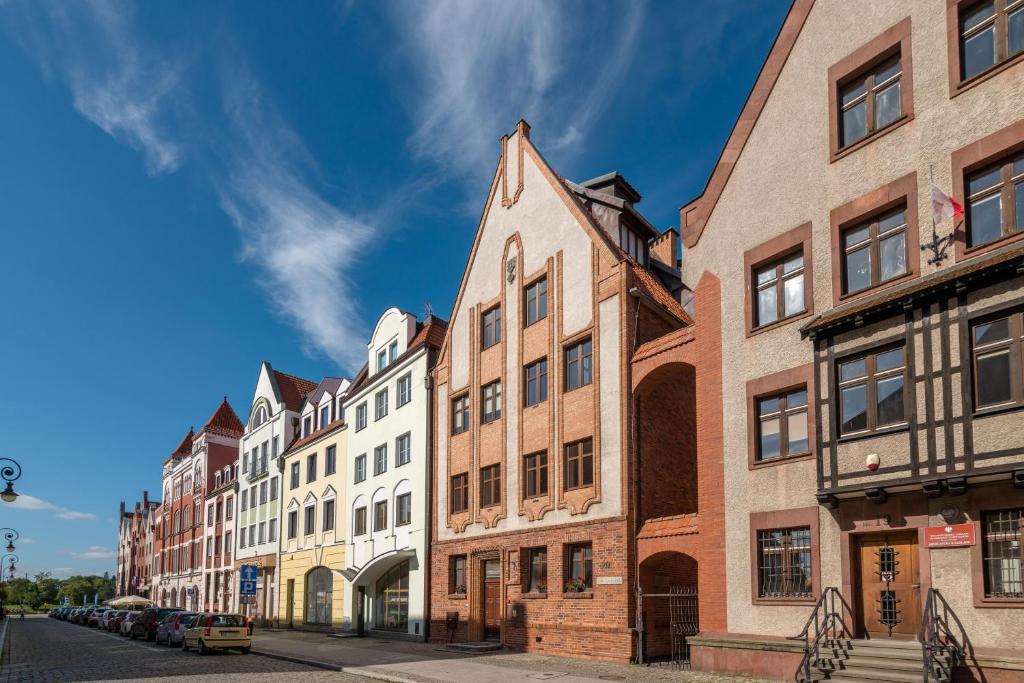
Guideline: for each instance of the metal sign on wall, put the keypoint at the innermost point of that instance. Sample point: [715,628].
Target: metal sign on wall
[949,536]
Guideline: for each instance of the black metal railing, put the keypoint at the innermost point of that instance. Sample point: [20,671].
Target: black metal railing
[943,639]
[829,621]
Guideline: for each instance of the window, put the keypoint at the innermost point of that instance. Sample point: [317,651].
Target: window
[380,404]
[995,201]
[460,493]
[870,102]
[252,534]
[1001,554]
[220,510]
[263,456]
[392,352]
[229,507]
[310,523]
[492,401]
[331,460]
[361,416]
[380,515]
[307,425]
[392,599]
[875,252]
[403,509]
[360,472]
[457,574]
[784,563]
[262,535]
[263,492]
[579,566]
[272,535]
[273,488]
[404,390]
[998,361]
[633,244]
[579,464]
[380,459]
[537,301]
[310,467]
[871,391]
[782,425]
[328,515]
[460,414]
[209,513]
[227,547]
[535,480]
[537,382]
[490,485]
[382,359]
[578,365]
[295,481]
[359,524]
[492,327]
[325,416]
[990,33]
[403,450]
[537,570]
[245,465]
[779,289]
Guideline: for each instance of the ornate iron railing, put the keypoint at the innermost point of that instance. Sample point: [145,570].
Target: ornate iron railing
[829,621]
[941,646]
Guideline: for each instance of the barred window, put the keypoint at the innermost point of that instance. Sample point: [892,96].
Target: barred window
[784,563]
[1002,555]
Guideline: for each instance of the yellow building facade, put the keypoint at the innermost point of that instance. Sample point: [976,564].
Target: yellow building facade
[312,534]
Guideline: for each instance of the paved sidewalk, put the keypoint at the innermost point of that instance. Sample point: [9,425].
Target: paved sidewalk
[401,661]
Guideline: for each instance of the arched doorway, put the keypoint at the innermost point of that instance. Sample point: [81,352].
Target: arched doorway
[174,597]
[319,592]
[667,607]
[393,599]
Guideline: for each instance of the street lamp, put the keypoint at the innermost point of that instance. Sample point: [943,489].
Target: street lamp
[10,471]
[11,560]
[11,536]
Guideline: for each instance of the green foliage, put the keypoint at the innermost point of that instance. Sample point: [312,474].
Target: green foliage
[43,589]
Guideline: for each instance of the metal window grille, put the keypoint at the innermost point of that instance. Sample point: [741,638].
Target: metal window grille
[784,563]
[1003,558]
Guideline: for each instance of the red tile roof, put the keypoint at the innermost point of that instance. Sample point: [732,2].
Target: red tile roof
[664,343]
[293,389]
[652,288]
[430,332]
[676,525]
[313,436]
[224,421]
[185,447]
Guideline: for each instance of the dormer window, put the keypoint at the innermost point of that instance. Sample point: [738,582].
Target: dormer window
[393,352]
[325,415]
[633,244]
[307,425]
[382,359]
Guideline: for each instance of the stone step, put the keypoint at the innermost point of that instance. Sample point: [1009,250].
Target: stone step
[871,662]
[889,643]
[878,675]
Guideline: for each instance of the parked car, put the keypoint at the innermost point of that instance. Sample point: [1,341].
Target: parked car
[113,622]
[214,631]
[144,625]
[95,616]
[104,621]
[172,628]
[78,615]
[126,623]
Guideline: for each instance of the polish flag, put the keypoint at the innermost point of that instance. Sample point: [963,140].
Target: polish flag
[944,206]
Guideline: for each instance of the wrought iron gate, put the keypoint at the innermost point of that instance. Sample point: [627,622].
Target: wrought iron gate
[683,623]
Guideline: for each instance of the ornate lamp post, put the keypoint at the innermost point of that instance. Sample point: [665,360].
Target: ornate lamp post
[11,561]
[10,471]
[10,535]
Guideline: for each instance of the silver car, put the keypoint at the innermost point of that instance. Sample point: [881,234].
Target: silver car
[171,630]
[126,624]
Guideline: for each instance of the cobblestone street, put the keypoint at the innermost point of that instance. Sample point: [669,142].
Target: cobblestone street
[44,650]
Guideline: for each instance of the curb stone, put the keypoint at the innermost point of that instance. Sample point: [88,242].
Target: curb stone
[356,671]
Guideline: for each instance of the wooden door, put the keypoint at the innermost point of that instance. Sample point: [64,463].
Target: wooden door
[492,600]
[290,607]
[888,590]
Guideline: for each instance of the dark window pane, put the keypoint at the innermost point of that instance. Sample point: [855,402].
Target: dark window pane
[855,123]
[855,416]
[977,15]
[985,218]
[766,275]
[767,406]
[889,360]
[889,393]
[979,52]
[887,105]
[792,264]
[770,439]
[767,306]
[853,369]
[1018,201]
[994,378]
[893,255]
[855,236]
[887,71]
[1015,31]
[993,331]
[796,399]
[852,93]
[858,270]
[984,181]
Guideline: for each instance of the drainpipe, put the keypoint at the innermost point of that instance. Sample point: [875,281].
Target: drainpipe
[633,434]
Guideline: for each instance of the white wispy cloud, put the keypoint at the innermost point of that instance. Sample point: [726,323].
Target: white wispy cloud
[32,504]
[27,541]
[95,552]
[479,66]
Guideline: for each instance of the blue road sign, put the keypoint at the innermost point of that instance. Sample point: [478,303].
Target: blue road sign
[247,572]
[247,588]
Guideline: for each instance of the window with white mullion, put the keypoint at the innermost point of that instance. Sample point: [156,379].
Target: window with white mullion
[990,33]
[871,391]
[875,252]
[995,202]
[780,289]
[871,101]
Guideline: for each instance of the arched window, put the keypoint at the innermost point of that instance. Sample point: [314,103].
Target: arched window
[260,417]
[393,599]
[319,590]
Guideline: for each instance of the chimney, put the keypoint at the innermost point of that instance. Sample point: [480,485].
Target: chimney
[145,499]
[665,248]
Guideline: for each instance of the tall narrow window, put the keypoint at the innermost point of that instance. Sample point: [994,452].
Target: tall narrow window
[491,401]
[1002,555]
[490,485]
[782,425]
[779,289]
[325,416]
[295,479]
[380,515]
[392,352]
[460,493]
[537,570]
[403,449]
[578,365]
[293,526]
[403,509]
[460,414]
[307,427]
[310,523]
[361,416]
[380,459]
[457,574]
[382,359]
[381,404]
[404,390]
[784,563]
[875,252]
[331,460]
[360,468]
[999,361]
[359,523]
[871,391]
[870,102]
[995,202]
[537,382]
[311,467]
[328,522]
[990,33]
[535,479]
[579,464]
[537,301]
[579,566]
[491,327]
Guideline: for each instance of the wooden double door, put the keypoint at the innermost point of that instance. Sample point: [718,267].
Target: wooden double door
[492,599]
[887,585]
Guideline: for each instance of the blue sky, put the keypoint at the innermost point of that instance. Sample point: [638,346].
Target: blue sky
[189,188]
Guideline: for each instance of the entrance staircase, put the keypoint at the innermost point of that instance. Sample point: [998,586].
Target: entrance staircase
[876,661]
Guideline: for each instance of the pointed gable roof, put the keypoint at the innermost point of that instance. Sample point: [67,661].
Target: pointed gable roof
[185,447]
[224,421]
[694,215]
[291,389]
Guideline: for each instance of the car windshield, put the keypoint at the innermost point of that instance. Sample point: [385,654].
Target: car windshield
[225,620]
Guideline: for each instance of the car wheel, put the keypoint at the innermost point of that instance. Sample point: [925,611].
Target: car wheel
[200,647]
[184,645]
[131,634]
[244,650]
